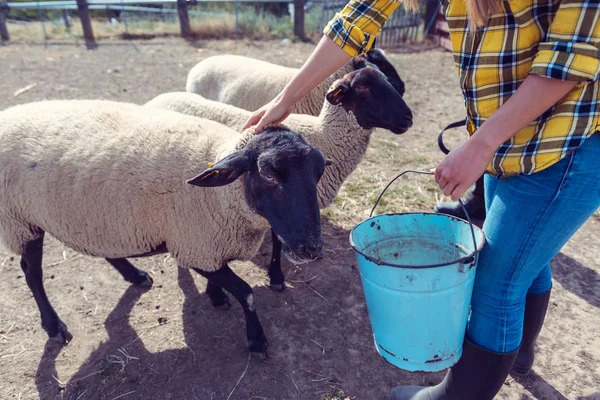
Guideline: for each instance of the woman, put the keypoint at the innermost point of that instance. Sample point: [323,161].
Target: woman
[529,73]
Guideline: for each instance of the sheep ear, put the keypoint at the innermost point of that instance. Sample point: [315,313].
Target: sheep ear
[223,172]
[360,61]
[336,93]
[364,61]
[328,162]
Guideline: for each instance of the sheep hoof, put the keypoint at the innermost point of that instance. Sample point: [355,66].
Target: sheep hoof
[145,280]
[258,345]
[63,336]
[277,287]
[221,303]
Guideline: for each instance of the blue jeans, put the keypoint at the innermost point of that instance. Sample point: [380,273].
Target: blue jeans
[529,219]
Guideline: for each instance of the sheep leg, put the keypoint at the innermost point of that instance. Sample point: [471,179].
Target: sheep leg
[228,280]
[130,273]
[277,280]
[31,264]
[218,298]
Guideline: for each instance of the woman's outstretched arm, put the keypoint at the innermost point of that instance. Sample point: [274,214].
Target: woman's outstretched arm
[327,58]
[351,32]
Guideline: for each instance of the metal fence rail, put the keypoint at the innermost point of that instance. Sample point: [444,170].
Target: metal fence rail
[157,10]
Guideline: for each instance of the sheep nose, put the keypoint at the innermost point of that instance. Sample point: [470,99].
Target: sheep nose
[408,120]
[313,250]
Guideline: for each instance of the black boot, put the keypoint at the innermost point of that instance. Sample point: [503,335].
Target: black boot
[474,203]
[535,312]
[478,375]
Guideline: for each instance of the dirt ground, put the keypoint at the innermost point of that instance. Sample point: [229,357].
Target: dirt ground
[169,343]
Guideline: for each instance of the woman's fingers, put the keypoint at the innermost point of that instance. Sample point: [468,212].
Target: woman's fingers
[274,115]
[449,188]
[446,180]
[458,192]
[442,183]
[264,121]
[254,119]
[438,174]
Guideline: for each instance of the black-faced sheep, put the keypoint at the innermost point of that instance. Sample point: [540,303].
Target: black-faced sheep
[109,179]
[355,105]
[249,83]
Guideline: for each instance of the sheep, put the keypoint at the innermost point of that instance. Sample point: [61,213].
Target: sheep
[107,179]
[249,83]
[355,105]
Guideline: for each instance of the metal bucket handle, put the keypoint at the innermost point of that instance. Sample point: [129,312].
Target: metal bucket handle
[469,259]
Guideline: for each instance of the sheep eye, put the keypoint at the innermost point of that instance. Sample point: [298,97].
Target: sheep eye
[269,178]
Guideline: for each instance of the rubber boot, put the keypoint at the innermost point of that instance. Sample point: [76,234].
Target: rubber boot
[478,375]
[536,306]
[474,202]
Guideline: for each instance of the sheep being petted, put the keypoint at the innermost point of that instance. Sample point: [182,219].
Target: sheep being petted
[249,83]
[109,179]
[355,105]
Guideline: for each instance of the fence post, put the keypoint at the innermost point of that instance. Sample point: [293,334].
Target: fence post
[41,17]
[299,19]
[184,18]
[65,16]
[237,10]
[3,29]
[124,16]
[86,23]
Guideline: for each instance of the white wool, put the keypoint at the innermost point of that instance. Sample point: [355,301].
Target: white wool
[249,83]
[335,132]
[109,180]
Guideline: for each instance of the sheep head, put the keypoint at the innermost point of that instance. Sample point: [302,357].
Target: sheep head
[280,174]
[369,95]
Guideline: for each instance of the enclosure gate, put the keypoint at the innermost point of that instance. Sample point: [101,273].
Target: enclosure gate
[402,27]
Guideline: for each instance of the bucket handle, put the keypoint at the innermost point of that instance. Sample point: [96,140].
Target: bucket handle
[469,259]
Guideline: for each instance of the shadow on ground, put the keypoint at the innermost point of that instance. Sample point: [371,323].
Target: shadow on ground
[319,337]
[577,278]
[317,345]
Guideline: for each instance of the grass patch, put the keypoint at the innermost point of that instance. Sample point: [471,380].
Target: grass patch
[358,196]
[387,156]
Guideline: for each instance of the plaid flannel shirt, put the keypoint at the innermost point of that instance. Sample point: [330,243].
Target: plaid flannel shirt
[557,39]
[355,27]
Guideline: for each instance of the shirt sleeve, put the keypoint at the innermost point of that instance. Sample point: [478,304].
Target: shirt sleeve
[355,27]
[571,49]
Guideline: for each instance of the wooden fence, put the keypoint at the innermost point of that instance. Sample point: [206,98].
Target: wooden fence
[83,9]
[400,28]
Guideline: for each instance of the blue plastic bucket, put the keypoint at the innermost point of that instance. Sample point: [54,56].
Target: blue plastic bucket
[417,272]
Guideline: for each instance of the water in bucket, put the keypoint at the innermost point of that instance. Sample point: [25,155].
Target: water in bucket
[417,272]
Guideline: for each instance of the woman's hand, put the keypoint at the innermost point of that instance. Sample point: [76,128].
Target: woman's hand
[327,58]
[467,162]
[272,113]
[459,170]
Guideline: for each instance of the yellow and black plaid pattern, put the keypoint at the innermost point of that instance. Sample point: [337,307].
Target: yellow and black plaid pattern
[557,39]
[355,27]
